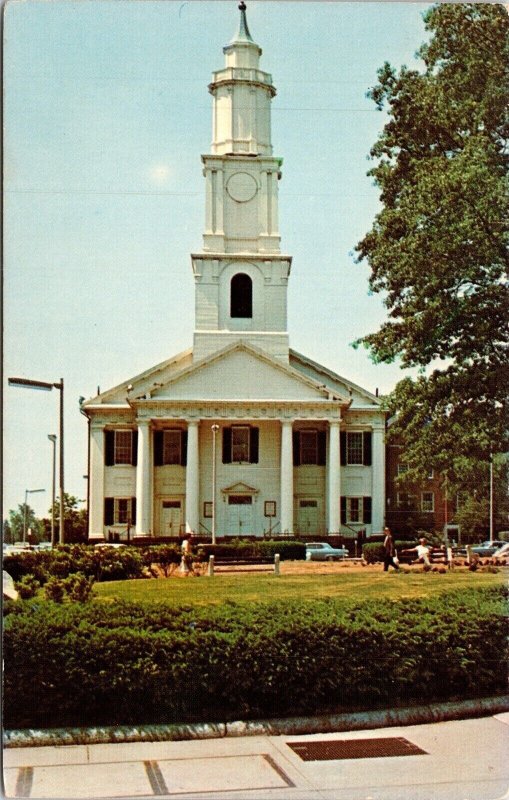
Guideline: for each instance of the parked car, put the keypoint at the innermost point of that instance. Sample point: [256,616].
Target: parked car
[502,552]
[323,551]
[487,548]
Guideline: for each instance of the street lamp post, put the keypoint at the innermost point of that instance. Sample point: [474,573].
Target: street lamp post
[52,437]
[27,383]
[27,492]
[214,429]
[491,499]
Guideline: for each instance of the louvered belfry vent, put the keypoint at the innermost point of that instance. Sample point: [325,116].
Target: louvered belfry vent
[332,750]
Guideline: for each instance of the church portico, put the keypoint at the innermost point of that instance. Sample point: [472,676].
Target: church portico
[241,430]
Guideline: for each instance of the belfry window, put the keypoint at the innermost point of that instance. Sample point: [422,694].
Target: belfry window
[241,296]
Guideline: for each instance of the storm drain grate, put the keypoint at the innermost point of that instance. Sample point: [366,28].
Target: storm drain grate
[355,748]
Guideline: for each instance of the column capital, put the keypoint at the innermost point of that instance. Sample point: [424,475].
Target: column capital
[192,422]
[143,422]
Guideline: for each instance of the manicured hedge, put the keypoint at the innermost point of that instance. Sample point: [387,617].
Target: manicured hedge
[124,563]
[374,551]
[263,549]
[102,564]
[114,663]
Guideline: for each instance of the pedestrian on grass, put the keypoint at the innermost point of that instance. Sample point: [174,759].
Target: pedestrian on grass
[389,551]
[423,551]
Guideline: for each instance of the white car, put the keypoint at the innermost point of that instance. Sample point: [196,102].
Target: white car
[502,552]
[323,551]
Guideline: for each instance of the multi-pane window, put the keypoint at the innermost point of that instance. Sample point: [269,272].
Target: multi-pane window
[240,443]
[172,444]
[354,448]
[119,510]
[402,468]
[431,474]
[123,447]
[405,500]
[122,513]
[308,447]
[354,509]
[427,501]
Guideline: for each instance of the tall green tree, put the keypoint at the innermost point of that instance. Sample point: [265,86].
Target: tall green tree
[75,520]
[438,249]
[24,517]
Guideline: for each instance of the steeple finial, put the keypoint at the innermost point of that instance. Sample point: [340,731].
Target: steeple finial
[243,35]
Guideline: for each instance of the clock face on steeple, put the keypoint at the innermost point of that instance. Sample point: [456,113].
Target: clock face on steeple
[241,187]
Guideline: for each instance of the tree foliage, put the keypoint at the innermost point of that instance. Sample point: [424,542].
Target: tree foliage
[438,248]
[75,520]
[23,518]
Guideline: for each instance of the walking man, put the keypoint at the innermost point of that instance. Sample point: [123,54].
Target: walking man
[390,551]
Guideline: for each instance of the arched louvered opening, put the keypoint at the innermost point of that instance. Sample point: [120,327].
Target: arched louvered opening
[241,296]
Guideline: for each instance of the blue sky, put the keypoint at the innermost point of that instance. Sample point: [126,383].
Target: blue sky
[106,115]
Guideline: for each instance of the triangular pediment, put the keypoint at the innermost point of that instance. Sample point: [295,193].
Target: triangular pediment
[240,372]
[239,488]
[358,397]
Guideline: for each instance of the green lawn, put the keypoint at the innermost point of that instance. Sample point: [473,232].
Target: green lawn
[267,588]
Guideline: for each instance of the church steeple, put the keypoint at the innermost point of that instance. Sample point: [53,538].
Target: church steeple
[241,258]
[243,34]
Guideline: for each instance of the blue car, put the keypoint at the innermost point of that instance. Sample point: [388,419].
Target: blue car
[322,551]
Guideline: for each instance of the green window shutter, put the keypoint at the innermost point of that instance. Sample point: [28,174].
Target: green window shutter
[109,506]
[342,446]
[134,448]
[109,448]
[133,511]
[366,510]
[367,448]
[322,448]
[296,449]
[183,449]
[253,445]
[343,510]
[227,445]
[158,448]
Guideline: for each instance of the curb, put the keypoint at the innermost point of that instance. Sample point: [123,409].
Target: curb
[291,726]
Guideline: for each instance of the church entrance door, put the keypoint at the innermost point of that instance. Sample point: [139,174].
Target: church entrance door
[171,517]
[307,518]
[240,515]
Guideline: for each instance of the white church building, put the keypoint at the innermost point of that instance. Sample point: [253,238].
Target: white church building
[240,433]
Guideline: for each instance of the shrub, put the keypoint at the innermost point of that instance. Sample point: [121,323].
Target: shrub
[77,588]
[374,551]
[166,556]
[120,663]
[27,587]
[54,590]
[103,564]
[264,550]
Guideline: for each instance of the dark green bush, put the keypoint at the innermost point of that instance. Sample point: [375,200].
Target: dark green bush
[114,663]
[27,587]
[77,588]
[264,550]
[374,551]
[165,556]
[101,564]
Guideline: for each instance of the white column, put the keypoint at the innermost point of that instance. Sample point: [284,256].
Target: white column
[334,482]
[192,479]
[286,477]
[96,482]
[378,481]
[143,493]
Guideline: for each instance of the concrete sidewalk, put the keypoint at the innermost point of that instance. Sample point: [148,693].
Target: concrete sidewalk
[461,760]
